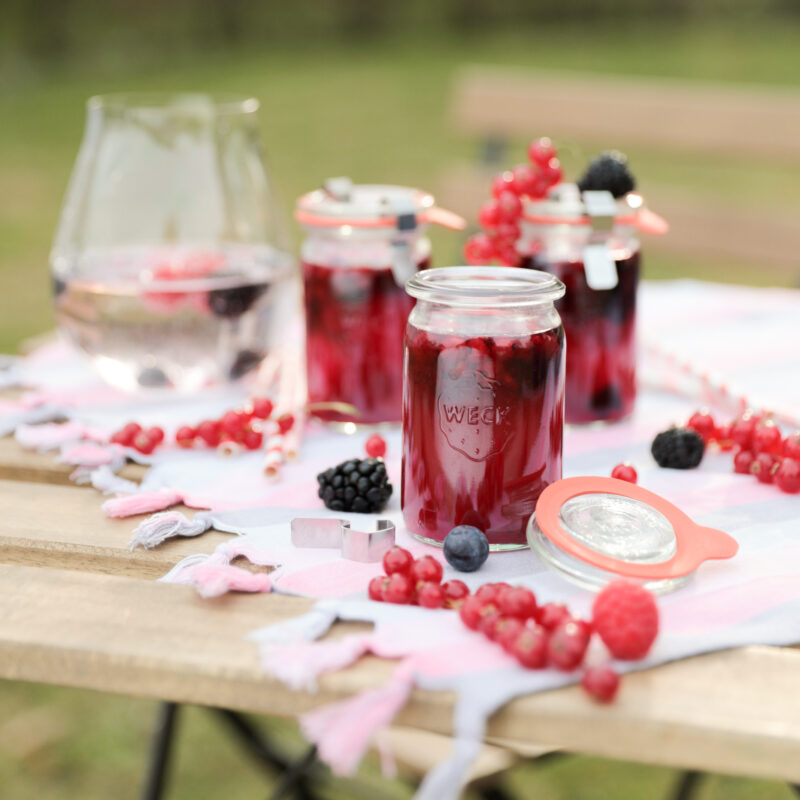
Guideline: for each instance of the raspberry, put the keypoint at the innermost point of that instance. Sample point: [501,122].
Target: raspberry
[426,569]
[600,683]
[742,462]
[430,595]
[397,559]
[455,593]
[375,446]
[530,647]
[767,438]
[626,619]
[764,467]
[567,645]
[624,472]
[788,476]
[399,589]
[377,587]
[551,615]
[517,602]
[703,423]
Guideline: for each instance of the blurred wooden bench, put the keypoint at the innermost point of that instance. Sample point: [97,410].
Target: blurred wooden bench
[495,105]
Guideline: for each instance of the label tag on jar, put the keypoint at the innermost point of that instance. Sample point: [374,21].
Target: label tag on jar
[600,267]
[598,262]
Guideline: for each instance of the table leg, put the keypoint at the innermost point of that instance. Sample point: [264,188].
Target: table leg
[687,784]
[295,776]
[160,750]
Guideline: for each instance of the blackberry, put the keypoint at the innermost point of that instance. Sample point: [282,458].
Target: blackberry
[678,448]
[359,485]
[608,172]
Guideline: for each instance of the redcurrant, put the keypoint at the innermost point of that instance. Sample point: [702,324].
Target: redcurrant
[703,423]
[517,602]
[209,432]
[430,595]
[155,434]
[508,231]
[397,559]
[552,173]
[489,215]
[624,472]
[262,407]
[764,467]
[530,647]
[399,589]
[742,430]
[231,425]
[506,630]
[541,151]
[455,593]
[600,683]
[791,446]
[426,569]
[567,645]
[489,618]
[553,614]
[375,446]
[285,422]
[525,179]
[503,182]
[479,249]
[252,440]
[787,476]
[742,462]
[767,438]
[470,612]
[377,587]
[143,443]
[724,438]
[489,592]
[185,436]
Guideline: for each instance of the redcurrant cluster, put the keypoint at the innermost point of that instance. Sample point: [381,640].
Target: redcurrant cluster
[758,445]
[624,616]
[410,581]
[500,216]
[243,427]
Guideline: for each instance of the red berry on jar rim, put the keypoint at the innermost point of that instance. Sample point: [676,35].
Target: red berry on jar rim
[791,446]
[764,467]
[455,593]
[262,407]
[742,462]
[426,569]
[398,559]
[517,602]
[540,151]
[430,595]
[703,423]
[375,446]
[530,647]
[625,472]
[787,476]
[767,438]
[399,589]
[567,645]
[600,683]
[376,587]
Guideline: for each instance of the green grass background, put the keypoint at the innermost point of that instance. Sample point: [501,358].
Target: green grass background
[377,112]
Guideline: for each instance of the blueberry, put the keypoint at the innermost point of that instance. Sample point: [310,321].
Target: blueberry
[466,548]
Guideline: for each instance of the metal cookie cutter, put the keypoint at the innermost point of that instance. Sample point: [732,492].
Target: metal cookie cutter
[334,533]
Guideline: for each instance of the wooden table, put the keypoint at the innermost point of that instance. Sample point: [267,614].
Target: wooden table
[78,608]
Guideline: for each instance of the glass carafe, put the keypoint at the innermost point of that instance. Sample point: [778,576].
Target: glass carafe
[170,262]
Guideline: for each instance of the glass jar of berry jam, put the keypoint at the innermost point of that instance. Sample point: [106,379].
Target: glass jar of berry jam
[590,242]
[363,242]
[483,400]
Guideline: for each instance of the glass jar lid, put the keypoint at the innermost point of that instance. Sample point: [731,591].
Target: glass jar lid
[566,205]
[592,530]
[485,287]
[341,202]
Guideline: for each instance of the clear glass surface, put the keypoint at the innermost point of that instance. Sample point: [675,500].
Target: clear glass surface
[170,262]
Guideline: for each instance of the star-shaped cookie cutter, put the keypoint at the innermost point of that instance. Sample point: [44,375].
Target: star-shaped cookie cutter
[328,532]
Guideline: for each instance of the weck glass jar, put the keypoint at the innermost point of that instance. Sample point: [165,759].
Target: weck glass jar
[483,401]
[362,243]
[590,242]
[171,264]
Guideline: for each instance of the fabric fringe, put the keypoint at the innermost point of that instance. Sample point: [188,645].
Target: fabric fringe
[343,731]
[106,481]
[213,580]
[162,526]
[49,435]
[142,503]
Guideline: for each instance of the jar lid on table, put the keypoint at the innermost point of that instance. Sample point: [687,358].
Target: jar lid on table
[341,202]
[591,530]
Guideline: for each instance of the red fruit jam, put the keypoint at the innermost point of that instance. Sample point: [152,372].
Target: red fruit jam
[483,419]
[600,330]
[355,320]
